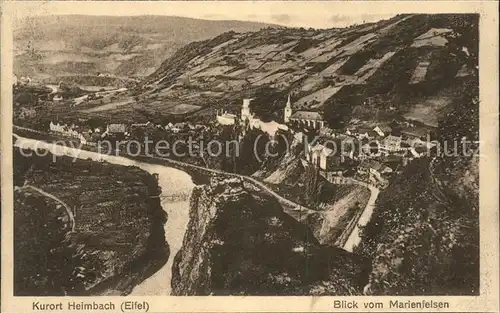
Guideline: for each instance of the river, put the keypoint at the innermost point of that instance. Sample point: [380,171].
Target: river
[172,182]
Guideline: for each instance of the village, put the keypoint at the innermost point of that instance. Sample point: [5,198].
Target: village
[369,153]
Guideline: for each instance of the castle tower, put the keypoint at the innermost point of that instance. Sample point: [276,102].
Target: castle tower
[245,109]
[288,110]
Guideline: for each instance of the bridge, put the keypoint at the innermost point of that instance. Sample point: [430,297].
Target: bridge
[173,197]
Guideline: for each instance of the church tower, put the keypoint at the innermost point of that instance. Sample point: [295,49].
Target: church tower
[288,110]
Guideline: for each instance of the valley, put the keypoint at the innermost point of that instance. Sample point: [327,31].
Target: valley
[334,171]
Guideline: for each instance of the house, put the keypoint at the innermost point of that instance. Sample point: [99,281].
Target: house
[320,156]
[419,143]
[25,80]
[225,118]
[385,169]
[348,146]
[393,160]
[95,137]
[369,148]
[375,169]
[415,133]
[379,131]
[382,130]
[177,127]
[327,132]
[180,125]
[56,127]
[141,124]
[298,137]
[84,138]
[391,143]
[116,129]
[367,133]
[308,119]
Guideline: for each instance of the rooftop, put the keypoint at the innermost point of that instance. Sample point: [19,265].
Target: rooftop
[385,128]
[371,164]
[116,128]
[366,130]
[415,132]
[392,138]
[307,115]
[322,149]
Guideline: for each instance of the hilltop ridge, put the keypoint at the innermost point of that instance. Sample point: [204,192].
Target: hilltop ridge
[60,45]
[409,65]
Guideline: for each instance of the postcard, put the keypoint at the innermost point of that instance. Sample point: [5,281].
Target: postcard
[249,156]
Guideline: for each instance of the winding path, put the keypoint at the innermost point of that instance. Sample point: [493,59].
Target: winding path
[350,237]
[354,237]
[51,196]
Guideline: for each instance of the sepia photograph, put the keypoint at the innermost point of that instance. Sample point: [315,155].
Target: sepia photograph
[251,152]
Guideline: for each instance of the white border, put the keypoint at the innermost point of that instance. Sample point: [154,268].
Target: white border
[489,229]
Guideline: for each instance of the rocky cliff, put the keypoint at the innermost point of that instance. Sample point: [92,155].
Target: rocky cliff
[425,241]
[238,243]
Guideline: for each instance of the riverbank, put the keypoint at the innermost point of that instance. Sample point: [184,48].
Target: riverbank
[172,182]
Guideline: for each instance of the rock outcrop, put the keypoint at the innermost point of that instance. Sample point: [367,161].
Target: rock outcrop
[238,243]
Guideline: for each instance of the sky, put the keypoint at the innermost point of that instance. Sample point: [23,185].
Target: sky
[316,14]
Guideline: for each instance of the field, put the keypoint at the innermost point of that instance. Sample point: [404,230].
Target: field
[109,106]
[420,72]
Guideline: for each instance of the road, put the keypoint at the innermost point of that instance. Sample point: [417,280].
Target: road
[49,195]
[350,237]
[354,238]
